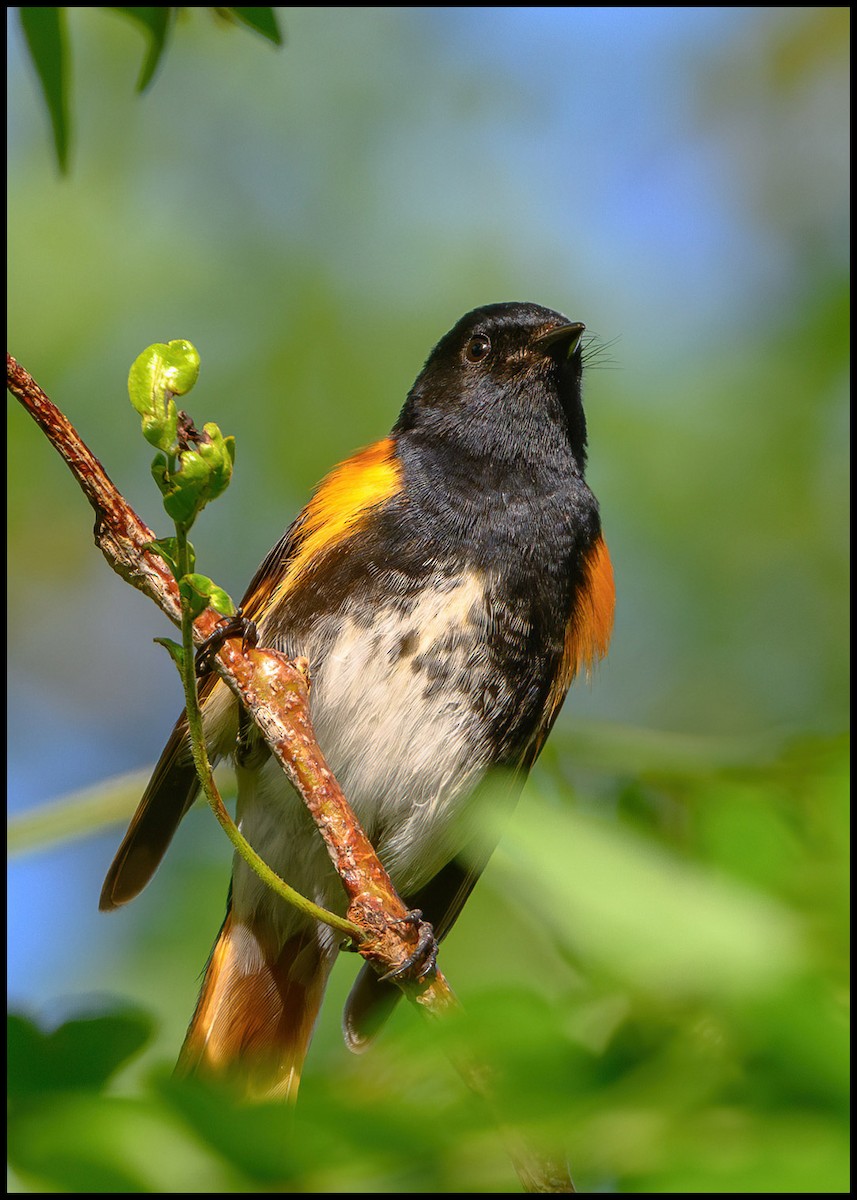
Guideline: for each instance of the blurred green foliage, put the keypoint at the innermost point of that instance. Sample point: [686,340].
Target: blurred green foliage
[47,42]
[668,1006]
[656,959]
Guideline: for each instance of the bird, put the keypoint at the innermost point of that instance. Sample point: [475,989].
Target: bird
[445,584]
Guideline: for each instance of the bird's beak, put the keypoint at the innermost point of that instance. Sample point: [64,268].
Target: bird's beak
[567,336]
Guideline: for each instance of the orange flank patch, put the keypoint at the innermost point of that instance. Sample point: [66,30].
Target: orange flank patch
[587,635]
[341,503]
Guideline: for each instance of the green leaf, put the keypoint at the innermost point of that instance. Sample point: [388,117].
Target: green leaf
[184,490]
[175,651]
[161,473]
[159,373]
[201,476]
[263,20]
[81,1055]
[218,453]
[221,601]
[44,30]
[181,495]
[194,593]
[200,593]
[157,23]
[168,550]
[172,367]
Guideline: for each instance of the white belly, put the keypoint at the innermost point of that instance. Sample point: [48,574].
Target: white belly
[392,707]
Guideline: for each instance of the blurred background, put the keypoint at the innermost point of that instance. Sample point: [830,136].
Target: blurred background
[670,904]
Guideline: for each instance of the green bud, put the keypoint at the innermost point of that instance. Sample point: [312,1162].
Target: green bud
[202,474]
[198,593]
[219,454]
[159,373]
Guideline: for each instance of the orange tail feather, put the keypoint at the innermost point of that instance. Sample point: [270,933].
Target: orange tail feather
[256,1011]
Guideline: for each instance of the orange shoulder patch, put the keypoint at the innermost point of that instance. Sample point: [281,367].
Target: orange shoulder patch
[587,635]
[344,499]
[341,503]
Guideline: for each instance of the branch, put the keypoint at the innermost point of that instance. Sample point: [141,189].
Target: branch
[272,689]
[275,692]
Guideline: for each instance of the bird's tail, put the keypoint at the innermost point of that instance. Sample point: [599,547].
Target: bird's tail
[257,1009]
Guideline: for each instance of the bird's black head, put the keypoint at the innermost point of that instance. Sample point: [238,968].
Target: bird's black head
[505,382]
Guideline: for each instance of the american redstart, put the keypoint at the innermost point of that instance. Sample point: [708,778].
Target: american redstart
[445,584]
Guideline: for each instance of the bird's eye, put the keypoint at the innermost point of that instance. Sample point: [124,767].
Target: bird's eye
[478,348]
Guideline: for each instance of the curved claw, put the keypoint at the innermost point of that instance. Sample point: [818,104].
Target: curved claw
[423,960]
[237,626]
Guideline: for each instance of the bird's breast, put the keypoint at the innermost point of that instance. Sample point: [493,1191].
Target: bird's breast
[398,706]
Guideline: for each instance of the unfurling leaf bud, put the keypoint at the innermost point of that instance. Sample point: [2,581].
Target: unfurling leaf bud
[161,372]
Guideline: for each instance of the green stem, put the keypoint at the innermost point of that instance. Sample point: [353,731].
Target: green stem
[209,787]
